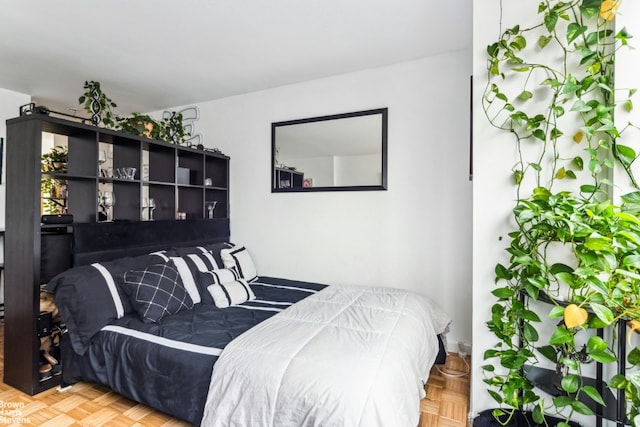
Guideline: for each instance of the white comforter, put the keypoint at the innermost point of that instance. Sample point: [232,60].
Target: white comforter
[346,356]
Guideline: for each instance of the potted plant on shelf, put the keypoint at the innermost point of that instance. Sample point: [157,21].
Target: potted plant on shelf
[55,160]
[97,104]
[562,98]
[53,189]
[140,124]
[172,129]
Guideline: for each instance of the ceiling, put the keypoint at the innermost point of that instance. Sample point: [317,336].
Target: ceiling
[151,55]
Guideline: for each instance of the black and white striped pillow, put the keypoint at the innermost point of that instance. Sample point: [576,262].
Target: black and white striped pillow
[238,258]
[226,287]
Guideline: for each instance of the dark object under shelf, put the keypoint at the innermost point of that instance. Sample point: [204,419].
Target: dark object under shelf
[486,419]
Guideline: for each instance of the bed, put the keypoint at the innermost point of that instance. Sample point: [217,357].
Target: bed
[247,349]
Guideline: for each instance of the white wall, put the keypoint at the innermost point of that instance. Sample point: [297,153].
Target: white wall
[627,66]
[416,235]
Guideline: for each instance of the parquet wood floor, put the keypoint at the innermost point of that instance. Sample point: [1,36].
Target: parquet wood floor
[87,404]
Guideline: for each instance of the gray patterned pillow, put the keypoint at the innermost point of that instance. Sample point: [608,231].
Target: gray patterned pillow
[157,291]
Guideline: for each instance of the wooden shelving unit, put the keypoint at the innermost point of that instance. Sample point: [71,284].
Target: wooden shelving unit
[34,253]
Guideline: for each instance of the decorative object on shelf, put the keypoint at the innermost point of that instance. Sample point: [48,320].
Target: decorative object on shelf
[140,124]
[107,199]
[547,108]
[152,207]
[211,206]
[189,115]
[307,183]
[97,104]
[31,108]
[55,160]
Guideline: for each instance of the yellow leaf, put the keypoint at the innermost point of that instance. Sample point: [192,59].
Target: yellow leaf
[634,325]
[574,316]
[578,137]
[608,9]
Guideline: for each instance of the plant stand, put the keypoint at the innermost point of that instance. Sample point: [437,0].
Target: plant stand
[486,419]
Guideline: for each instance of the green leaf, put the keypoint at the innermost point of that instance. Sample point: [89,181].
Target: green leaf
[525,95]
[602,312]
[603,357]
[618,381]
[592,392]
[550,20]
[502,272]
[581,408]
[570,86]
[580,106]
[627,153]
[632,198]
[597,243]
[561,173]
[570,383]
[518,176]
[578,162]
[562,401]
[566,278]
[632,260]
[556,312]
[519,42]
[561,336]
[590,8]
[503,293]
[549,352]
[530,333]
[596,343]
[594,166]
[574,31]
[539,134]
[634,357]
[544,41]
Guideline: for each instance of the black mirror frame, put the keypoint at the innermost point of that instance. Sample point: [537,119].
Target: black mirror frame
[383,186]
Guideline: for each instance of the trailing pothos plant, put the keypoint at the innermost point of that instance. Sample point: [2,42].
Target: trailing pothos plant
[551,86]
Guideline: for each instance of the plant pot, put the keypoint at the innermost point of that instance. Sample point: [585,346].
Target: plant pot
[520,419]
[59,166]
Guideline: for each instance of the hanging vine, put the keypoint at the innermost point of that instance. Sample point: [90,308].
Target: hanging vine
[551,86]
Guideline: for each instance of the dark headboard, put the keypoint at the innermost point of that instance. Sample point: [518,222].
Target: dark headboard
[104,241]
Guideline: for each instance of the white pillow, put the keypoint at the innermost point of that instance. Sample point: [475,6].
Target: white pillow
[238,258]
[227,288]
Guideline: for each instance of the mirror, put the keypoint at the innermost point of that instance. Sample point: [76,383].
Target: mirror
[330,153]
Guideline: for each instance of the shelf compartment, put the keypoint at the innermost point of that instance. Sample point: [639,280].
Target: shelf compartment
[161,162]
[217,170]
[194,162]
[190,201]
[220,196]
[164,197]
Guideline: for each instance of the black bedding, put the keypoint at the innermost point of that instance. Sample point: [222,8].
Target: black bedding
[179,352]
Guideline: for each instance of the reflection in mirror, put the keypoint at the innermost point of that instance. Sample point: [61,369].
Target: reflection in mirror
[330,153]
